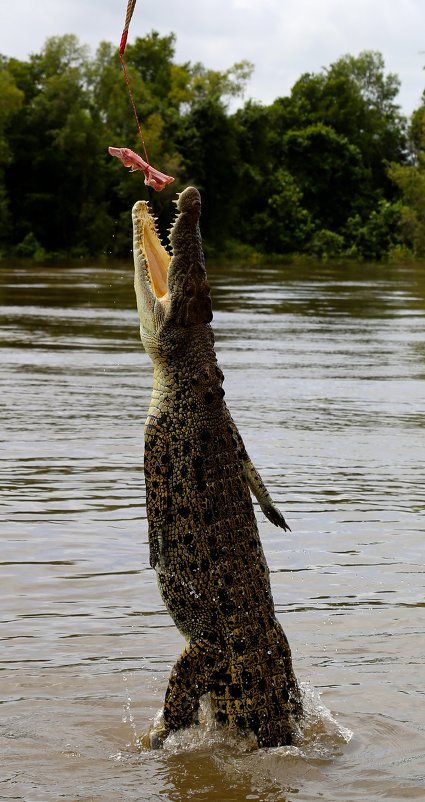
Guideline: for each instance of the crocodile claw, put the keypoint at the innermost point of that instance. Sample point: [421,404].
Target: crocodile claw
[275,516]
[154,738]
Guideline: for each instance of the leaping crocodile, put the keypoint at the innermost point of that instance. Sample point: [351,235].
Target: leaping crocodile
[203,537]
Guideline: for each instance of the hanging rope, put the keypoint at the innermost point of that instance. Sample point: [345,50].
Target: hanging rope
[153,177]
[129,14]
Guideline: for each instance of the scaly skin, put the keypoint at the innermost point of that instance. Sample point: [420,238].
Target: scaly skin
[203,537]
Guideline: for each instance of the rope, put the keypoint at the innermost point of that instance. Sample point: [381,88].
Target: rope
[130,8]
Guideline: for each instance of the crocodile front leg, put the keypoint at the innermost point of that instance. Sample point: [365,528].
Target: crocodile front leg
[256,484]
[262,495]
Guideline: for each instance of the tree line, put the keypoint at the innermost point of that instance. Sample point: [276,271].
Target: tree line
[331,170]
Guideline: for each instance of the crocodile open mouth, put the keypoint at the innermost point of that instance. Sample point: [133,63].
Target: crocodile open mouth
[156,256]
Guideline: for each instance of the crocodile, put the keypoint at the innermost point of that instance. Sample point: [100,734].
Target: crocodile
[203,538]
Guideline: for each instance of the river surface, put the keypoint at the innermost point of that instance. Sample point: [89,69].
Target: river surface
[325,376]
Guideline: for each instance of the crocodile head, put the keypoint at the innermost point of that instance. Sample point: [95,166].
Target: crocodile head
[171,288]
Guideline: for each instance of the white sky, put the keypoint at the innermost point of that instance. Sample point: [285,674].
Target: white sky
[283,38]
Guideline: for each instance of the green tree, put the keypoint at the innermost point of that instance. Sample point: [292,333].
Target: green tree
[55,191]
[357,100]
[308,173]
[410,181]
[255,170]
[416,133]
[373,239]
[329,172]
[152,58]
[283,225]
[219,87]
[11,103]
[211,161]
[209,145]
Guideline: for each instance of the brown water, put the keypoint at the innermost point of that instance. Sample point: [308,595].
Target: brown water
[325,375]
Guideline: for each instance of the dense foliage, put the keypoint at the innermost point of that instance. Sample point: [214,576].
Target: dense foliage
[333,169]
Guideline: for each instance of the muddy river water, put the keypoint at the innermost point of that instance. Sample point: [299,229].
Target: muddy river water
[325,377]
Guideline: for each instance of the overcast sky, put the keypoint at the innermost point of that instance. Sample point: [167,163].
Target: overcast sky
[283,38]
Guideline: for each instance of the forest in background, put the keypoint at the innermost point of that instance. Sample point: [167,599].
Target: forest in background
[332,170]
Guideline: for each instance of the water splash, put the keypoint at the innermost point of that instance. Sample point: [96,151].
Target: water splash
[319,737]
[127,716]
